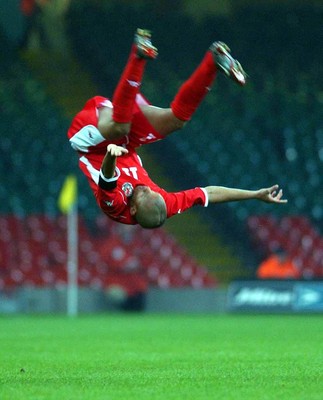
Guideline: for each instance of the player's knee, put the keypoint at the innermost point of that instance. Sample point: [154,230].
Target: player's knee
[173,124]
[179,124]
[176,124]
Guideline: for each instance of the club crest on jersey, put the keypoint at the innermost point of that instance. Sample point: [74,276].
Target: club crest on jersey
[127,189]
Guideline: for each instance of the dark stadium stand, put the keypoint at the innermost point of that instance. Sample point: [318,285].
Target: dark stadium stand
[31,141]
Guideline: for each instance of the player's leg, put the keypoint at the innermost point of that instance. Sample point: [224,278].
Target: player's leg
[117,124]
[193,91]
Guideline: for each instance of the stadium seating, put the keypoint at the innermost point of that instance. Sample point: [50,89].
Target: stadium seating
[34,252]
[296,235]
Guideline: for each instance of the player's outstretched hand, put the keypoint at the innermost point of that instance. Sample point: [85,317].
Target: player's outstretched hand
[116,151]
[271,195]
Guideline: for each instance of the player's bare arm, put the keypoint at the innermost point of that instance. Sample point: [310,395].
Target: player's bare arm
[220,194]
[109,161]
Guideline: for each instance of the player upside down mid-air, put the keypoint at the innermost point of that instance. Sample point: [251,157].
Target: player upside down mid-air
[106,134]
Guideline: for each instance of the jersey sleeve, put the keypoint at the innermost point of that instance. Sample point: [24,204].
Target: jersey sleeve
[178,202]
[111,199]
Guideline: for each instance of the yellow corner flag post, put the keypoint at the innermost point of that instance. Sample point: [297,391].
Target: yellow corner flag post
[67,203]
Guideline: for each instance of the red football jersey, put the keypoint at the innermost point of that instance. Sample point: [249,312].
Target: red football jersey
[113,195]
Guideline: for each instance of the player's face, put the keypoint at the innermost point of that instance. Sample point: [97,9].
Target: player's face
[143,194]
[148,207]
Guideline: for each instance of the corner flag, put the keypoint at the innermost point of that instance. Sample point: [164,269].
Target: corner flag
[67,202]
[68,194]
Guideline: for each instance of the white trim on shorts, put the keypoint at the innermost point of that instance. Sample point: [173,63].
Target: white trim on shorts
[86,137]
[95,173]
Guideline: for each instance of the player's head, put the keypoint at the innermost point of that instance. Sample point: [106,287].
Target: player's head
[148,207]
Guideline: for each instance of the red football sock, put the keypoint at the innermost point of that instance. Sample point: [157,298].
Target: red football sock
[124,96]
[193,91]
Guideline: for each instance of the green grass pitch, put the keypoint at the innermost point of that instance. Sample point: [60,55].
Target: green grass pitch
[152,356]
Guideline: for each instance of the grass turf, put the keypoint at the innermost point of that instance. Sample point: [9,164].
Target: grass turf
[143,356]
